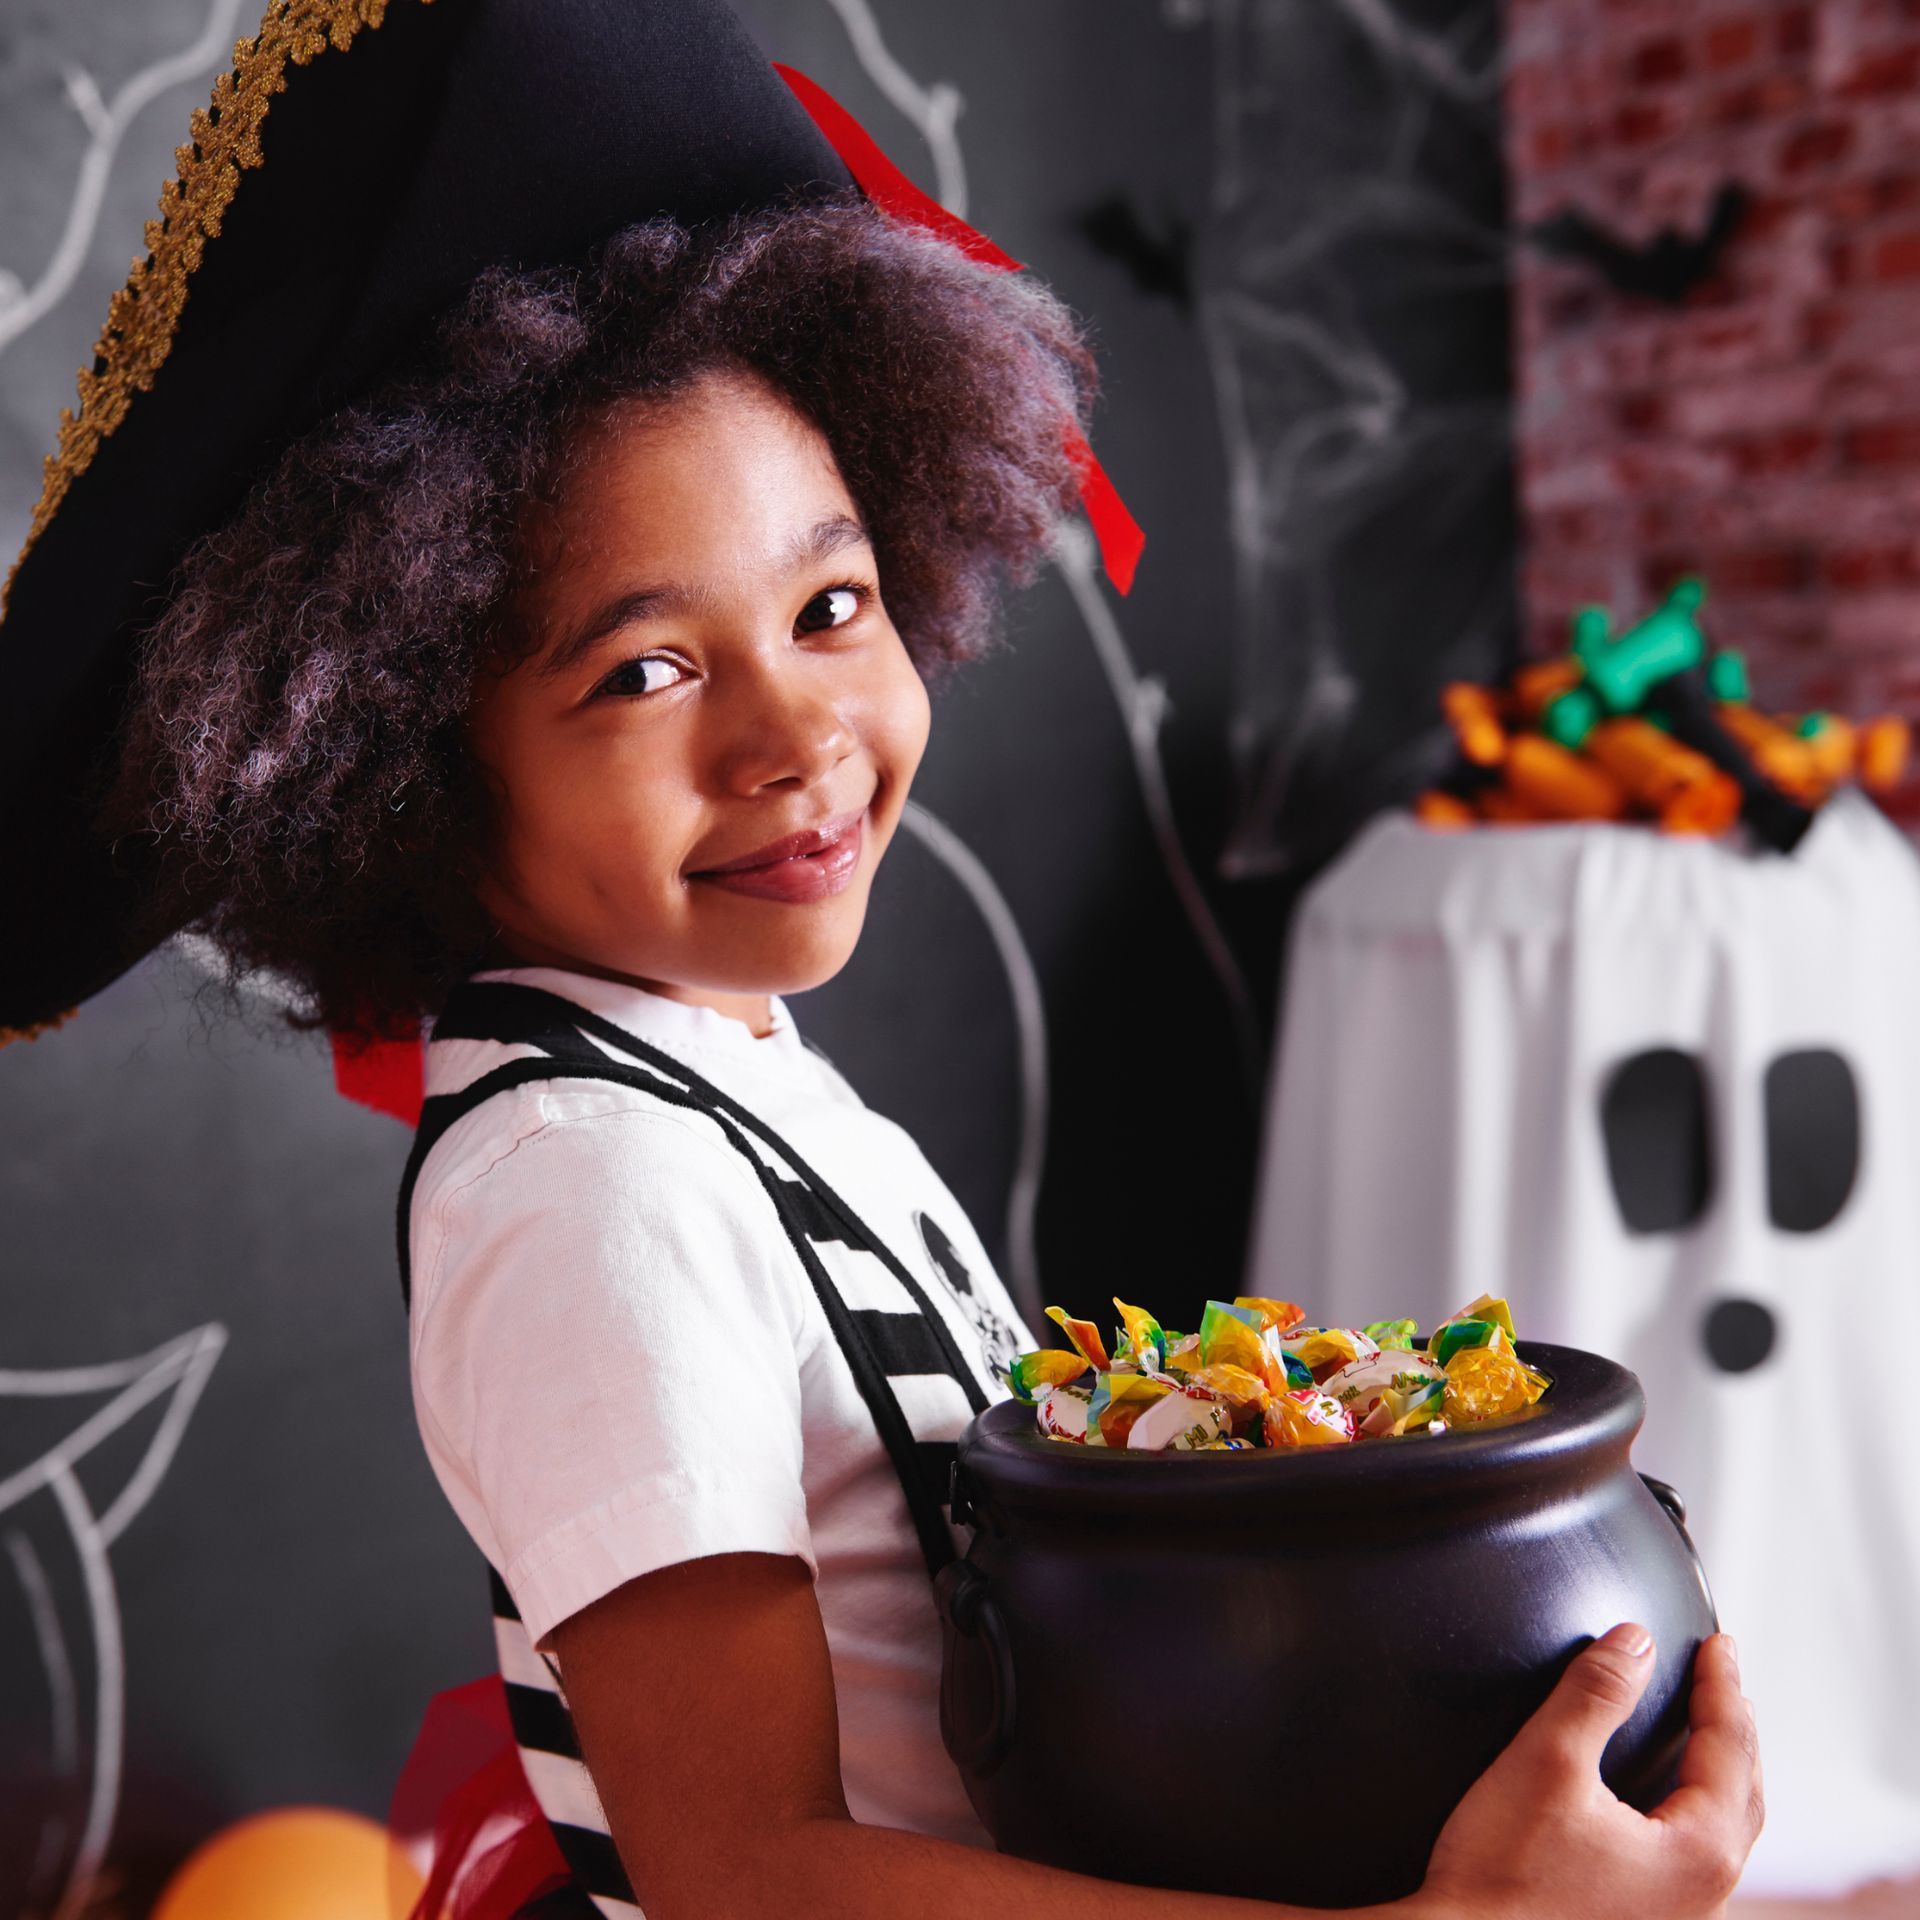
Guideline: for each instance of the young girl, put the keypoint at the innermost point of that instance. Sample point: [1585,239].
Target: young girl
[567,691]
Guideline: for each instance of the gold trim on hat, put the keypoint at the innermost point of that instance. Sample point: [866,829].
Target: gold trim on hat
[144,315]
[10,1034]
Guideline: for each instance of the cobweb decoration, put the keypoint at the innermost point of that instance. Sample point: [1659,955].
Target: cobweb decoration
[1353,300]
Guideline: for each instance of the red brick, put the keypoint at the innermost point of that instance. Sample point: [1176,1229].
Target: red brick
[1657,63]
[1761,570]
[1897,256]
[1768,98]
[1641,412]
[1549,148]
[1882,443]
[1887,70]
[1821,144]
[1731,43]
[1639,123]
[1784,450]
[1867,623]
[1854,568]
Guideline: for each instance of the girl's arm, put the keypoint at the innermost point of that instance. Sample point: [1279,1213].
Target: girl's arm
[704,1700]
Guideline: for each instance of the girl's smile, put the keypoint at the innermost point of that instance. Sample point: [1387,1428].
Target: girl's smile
[713,682]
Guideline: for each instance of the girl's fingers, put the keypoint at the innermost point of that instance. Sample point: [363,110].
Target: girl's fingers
[1594,1697]
[1719,1780]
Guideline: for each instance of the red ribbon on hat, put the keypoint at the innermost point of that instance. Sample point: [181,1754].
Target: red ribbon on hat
[493,1850]
[1118,532]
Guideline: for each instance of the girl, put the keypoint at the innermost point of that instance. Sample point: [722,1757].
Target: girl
[565,690]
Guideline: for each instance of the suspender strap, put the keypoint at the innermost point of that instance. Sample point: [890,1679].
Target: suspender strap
[515,1014]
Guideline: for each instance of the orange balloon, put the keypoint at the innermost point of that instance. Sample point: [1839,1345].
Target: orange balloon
[294,1863]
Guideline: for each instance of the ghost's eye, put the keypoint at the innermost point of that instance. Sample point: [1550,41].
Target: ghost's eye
[1655,1121]
[1813,1138]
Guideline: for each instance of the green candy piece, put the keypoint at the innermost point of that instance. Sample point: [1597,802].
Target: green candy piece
[1398,1334]
[1813,725]
[1668,641]
[1569,717]
[1727,676]
[1047,1368]
[1461,1333]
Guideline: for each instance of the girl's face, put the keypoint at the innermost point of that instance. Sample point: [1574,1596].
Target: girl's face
[713,671]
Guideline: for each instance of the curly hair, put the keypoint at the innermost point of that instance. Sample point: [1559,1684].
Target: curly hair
[294,733]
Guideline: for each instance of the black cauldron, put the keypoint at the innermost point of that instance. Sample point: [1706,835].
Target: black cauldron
[1276,1674]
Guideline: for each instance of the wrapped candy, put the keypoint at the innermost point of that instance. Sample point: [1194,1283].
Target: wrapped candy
[1324,1350]
[1033,1372]
[1231,1336]
[1183,1353]
[1178,1422]
[1254,1378]
[1119,1399]
[1488,1383]
[1393,1333]
[1084,1335]
[1405,1409]
[1360,1384]
[1281,1314]
[1244,1394]
[1307,1418]
[1062,1412]
[1146,1343]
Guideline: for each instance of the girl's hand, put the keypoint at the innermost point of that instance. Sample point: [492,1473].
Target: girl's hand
[1541,1837]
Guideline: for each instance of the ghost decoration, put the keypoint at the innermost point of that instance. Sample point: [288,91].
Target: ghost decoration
[1664,1095]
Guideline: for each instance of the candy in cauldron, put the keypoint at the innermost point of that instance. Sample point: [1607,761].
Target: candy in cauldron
[1276,1673]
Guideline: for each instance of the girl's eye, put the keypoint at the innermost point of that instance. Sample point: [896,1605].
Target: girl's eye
[829,609]
[839,604]
[620,680]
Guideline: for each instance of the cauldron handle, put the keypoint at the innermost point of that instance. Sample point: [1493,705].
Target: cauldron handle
[967,1612]
[1669,1497]
[1676,1510]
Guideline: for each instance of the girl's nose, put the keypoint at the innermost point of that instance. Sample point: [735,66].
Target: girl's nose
[791,724]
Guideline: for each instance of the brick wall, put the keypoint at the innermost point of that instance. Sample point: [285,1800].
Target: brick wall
[1765,433]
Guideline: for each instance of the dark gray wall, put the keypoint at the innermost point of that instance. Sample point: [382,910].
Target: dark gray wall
[1316,446]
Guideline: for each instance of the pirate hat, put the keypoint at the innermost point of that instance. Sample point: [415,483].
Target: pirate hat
[361,162]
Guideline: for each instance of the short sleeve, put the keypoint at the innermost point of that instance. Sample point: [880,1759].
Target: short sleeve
[608,1357]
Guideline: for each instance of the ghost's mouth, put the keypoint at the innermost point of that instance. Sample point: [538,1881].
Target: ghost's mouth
[1738,1334]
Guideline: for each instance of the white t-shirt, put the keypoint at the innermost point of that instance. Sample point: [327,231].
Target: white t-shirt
[620,1363]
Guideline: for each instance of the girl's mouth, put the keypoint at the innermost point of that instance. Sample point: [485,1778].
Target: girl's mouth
[807,877]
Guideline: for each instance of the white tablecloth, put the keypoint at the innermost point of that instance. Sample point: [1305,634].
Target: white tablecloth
[1455,1005]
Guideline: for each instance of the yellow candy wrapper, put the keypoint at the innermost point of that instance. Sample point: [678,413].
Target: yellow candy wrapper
[1324,1350]
[1118,1401]
[1230,1337]
[1307,1418]
[1489,1383]
[1245,1395]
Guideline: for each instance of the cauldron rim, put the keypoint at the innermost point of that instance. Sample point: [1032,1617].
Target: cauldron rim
[1588,1417]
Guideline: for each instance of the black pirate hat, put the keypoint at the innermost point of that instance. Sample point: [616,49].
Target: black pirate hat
[362,161]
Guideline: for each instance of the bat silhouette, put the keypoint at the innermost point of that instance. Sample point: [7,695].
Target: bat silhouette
[1667,268]
[1158,262]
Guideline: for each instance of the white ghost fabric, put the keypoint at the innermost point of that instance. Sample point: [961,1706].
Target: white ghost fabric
[1459,1011]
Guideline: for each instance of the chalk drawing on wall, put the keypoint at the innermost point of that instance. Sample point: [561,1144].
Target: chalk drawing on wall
[81,1640]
